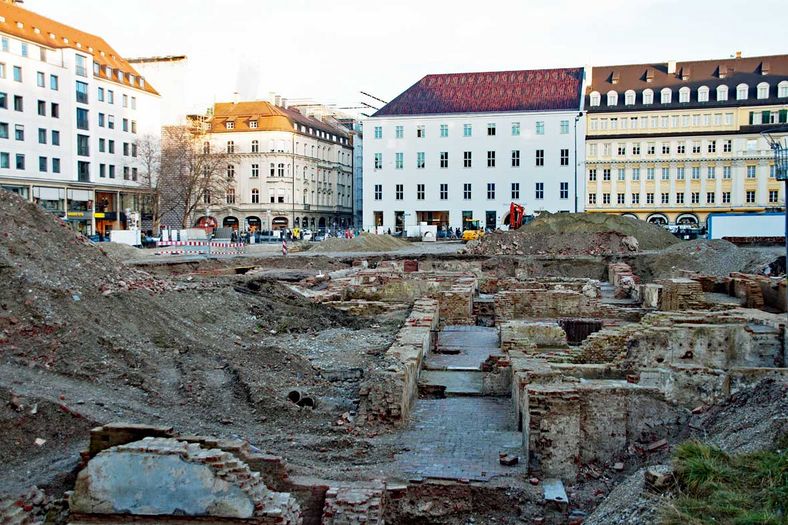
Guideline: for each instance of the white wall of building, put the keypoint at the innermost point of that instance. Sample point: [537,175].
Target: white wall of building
[554,139]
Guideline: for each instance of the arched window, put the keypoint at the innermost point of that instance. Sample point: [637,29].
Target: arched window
[255,196]
[648,96]
[629,97]
[273,170]
[684,94]
[763,90]
[594,99]
[230,171]
[255,146]
[288,170]
[782,89]
[304,172]
[666,96]
[722,93]
[281,169]
[742,92]
[703,94]
[612,98]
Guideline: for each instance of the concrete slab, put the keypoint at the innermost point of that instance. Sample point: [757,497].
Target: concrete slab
[457,383]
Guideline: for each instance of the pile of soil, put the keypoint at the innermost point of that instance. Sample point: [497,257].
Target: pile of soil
[575,234]
[366,242]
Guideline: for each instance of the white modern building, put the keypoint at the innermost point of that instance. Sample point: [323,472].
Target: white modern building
[71,112]
[287,169]
[465,146]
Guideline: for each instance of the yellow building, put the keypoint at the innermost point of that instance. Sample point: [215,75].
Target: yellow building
[670,143]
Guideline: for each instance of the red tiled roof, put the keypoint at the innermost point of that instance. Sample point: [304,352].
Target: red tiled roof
[535,90]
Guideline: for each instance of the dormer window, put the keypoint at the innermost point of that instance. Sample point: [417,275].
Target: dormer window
[741,92]
[684,94]
[612,98]
[666,96]
[722,93]
[703,94]
[782,89]
[648,96]
[253,124]
[763,90]
[629,98]
[594,99]
[229,124]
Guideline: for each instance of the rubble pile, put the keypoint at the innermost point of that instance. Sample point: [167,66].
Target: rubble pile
[366,242]
[711,257]
[575,234]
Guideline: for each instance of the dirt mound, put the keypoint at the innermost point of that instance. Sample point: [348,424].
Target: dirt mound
[575,234]
[366,242]
[124,252]
[711,257]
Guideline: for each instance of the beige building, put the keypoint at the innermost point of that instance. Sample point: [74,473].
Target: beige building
[671,143]
[286,169]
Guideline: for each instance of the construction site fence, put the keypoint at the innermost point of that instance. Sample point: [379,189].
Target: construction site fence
[200,248]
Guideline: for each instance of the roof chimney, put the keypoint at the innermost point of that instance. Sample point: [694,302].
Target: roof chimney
[284,102]
[277,100]
[738,54]
[671,67]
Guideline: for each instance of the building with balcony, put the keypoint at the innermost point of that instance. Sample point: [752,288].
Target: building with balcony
[71,113]
[671,143]
[286,169]
[459,147]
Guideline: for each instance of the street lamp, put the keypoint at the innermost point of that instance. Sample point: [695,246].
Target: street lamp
[577,119]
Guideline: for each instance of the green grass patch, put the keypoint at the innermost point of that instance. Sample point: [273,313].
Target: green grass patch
[721,489]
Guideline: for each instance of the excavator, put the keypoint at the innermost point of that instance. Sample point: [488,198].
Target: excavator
[516,215]
[473,230]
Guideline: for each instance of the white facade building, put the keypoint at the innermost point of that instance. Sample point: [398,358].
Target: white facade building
[458,147]
[287,169]
[71,112]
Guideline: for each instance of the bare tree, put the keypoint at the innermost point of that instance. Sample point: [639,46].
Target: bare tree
[191,175]
[149,156]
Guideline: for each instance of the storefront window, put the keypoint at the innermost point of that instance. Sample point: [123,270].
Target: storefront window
[22,191]
[51,199]
[79,200]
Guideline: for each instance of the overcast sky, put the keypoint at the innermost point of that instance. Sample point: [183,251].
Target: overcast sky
[329,50]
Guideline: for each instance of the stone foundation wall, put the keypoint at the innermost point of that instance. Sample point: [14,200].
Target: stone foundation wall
[456,304]
[681,294]
[355,505]
[549,304]
[388,394]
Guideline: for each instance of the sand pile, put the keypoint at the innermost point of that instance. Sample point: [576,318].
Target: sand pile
[575,234]
[366,242]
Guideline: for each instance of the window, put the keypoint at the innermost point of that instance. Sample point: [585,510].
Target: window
[539,157]
[255,171]
[399,132]
[230,171]
[111,146]
[467,159]
[515,190]
[751,172]
[134,106]
[399,191]
[696,146]
[378,192]
[230,146]
[666,96]
[592,198]
[612,98]
[82,92]
[564,157]
[516,158]
[650,148]
[635,174]
[255,196]
[420,162]
[684,94]
[564,190]
[112,172]
[83,145]
[4,100]
[635,197]
[4,130]
[466,191]
[726,197]
[490,159]
[43,163]
[18,103]
[726,172]
[594,99]
[126,126]
[711,173]
[750,197]
[763,90]
[773,196]
[102,145]
[695,173]
[727,146]
[444,192]
[40,78]
[606,174]
[444,159]
[17,73]
[399,160]
[592,174]
[665,173]
[5,44]
[490,190]
[666,148]
[420,132]
[620,198]
[42,108]
[444,130]
[636,149]
[564,127]
[540,127]
[605,198]
[378,161]
[82,119]
[19,132]
[81,66]
[111,121]
[515,129]
[378,132]
[467,130]
[255,146]
[710,197]
[280,169]
[722,93]
[491,129]
[20,161]
[539,191]
[742,92]
[134,126]
[649,198]
[420,192]
[648,96]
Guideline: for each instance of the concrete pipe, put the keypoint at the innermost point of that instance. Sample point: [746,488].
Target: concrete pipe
[294,396]
[307,402]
